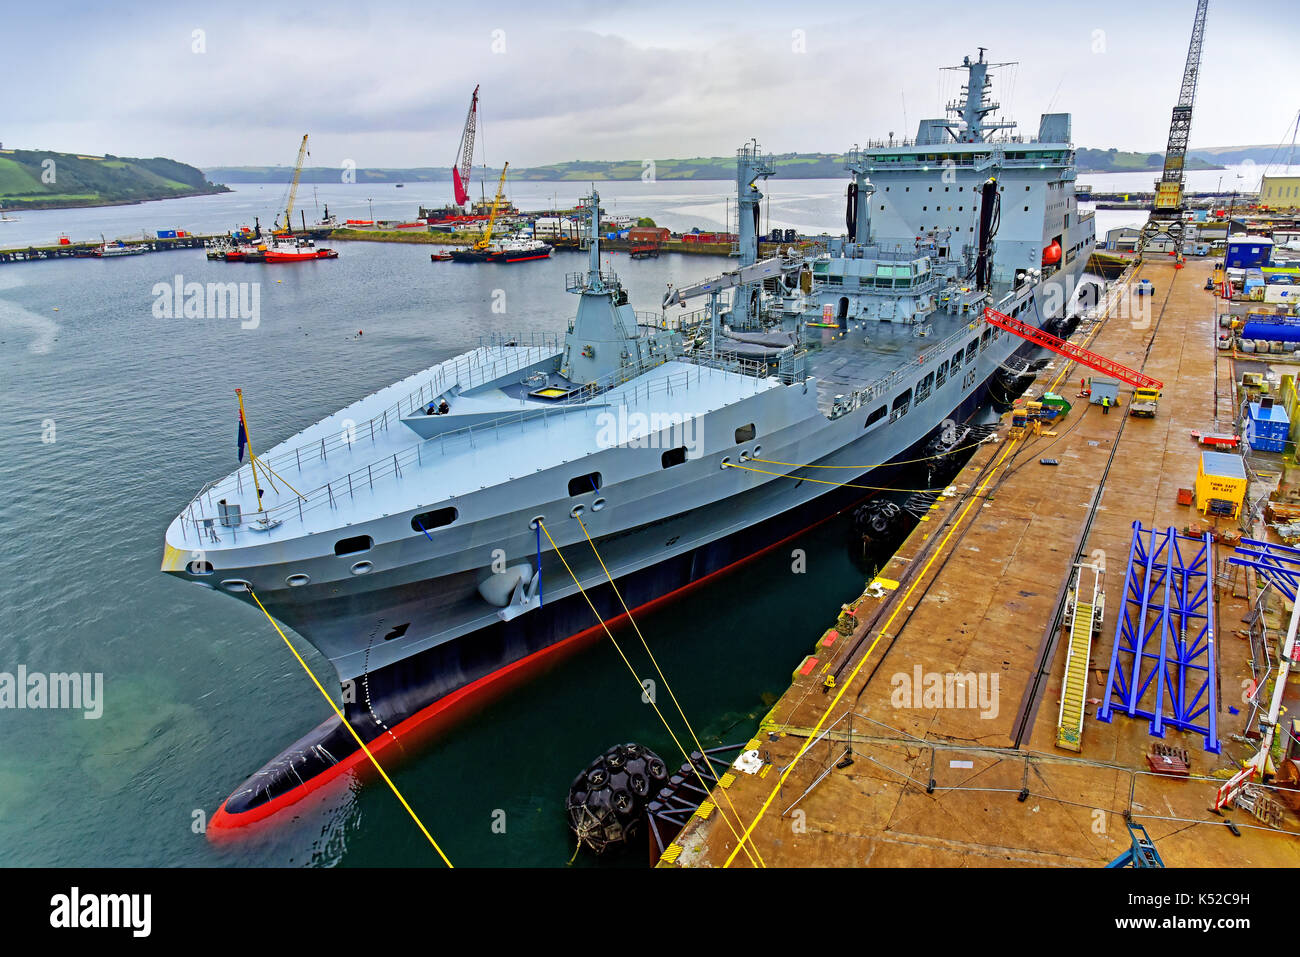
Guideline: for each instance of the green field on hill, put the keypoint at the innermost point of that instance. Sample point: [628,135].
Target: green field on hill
[36,179]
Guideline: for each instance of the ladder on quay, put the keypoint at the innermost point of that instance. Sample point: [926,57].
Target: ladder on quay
[1088,600]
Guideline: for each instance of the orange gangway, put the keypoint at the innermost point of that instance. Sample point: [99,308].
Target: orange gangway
[1079,354]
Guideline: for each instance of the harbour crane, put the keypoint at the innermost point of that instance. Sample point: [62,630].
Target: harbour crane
[1169,208]
[483,243]
[460,173]
[293,192]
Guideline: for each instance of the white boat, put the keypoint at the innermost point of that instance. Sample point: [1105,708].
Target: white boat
[119,248]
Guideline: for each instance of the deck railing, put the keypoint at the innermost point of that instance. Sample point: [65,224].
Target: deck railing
[202,517]
[487,362]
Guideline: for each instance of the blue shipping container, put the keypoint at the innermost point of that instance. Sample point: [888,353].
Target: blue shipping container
[166,234]
[1247,253]
[1267,429]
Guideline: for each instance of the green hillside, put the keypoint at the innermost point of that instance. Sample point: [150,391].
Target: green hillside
[1124,161]
[81,180]
[788,165]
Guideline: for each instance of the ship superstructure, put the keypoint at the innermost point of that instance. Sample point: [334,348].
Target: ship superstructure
[414,547]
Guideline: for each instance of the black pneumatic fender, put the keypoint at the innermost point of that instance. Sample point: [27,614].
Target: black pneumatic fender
[607,802]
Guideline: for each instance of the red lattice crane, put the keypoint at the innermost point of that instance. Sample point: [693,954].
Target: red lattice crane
[460,173]
[1079,354]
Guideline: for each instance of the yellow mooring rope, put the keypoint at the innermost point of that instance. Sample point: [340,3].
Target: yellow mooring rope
[659,671]
[637,679]
[373,761]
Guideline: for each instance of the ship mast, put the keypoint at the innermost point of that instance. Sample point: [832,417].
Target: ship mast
[972,109]
[594,282]
[751,166]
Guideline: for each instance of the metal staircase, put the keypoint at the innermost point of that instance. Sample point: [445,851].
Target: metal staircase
[1089,601]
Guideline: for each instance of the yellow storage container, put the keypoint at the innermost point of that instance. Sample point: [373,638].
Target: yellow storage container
[1220,484]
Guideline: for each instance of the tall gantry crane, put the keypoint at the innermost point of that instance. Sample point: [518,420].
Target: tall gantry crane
[1168,209]
[465,153]
[293,190]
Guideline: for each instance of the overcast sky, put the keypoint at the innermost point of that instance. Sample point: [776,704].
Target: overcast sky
[388,84]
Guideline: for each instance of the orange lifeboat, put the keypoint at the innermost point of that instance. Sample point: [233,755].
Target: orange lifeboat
[1052,254]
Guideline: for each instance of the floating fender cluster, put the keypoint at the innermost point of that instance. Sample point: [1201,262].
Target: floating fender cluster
[607,801]
[877,518]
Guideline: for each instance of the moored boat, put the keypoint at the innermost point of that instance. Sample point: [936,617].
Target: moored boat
[119,248]
[300,250]
[518,250]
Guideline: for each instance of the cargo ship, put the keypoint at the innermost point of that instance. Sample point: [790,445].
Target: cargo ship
[434,543]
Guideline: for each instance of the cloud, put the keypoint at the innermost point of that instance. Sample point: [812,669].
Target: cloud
[389,86]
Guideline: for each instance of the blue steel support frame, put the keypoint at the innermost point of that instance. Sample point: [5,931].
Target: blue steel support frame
[1280,564]
[1163,662]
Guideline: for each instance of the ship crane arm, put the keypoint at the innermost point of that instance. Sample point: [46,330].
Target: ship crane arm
[759,271]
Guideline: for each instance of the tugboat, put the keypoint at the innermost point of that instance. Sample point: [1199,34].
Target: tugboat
[518,250]
[324,226]
[299,250]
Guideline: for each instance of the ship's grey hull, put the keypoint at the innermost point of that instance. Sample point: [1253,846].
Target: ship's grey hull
[411,648]
[429,596]
[397,697]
